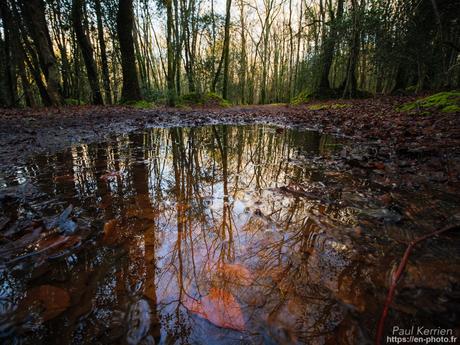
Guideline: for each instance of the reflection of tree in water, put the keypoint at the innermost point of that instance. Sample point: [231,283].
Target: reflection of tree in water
[201,212]
[238,160]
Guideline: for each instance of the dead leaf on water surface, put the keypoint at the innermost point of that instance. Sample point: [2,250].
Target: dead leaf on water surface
[11,248]
[64,178]
[51,299]
[377,165]
[218,307]
[110,231]
[57,242]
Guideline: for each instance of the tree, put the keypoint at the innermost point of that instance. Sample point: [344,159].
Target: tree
[125,21]
[350,83]
[8,66]
[104,61]
[16,62]
[170,52]
[87,50]
[267,51]
[329,44]
[226,52]
[34,16]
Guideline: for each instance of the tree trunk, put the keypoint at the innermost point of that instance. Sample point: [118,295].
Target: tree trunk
[329,46]
[266,33]
[34,15]
[87,50]
[226,49]
[170,76]
[104,63]
[8,65]
[243,59]
[178,48]
[125,21]
[34,68]
[5,97]
[350,82]
[18,54]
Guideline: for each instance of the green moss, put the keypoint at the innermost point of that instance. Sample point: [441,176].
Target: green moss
[73,101]
[448,101]
[191,98]
[328,106]
[454,108]
[211,98]
[302,98]
[141,104]
[206,99]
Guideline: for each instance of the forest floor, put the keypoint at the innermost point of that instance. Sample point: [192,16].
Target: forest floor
[427,143]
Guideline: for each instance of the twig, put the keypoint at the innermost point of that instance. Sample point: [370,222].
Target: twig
[397,275]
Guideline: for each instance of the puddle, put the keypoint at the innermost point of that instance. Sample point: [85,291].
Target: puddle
[212,235]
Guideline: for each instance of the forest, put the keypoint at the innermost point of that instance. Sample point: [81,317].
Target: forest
[229,172]
[56,52]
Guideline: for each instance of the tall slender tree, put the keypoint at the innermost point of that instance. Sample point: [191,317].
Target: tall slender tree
[329,44]
[87,50]
[125,24]
[34,16]
[103,49]
[226,48]
[350,82]
[170,52]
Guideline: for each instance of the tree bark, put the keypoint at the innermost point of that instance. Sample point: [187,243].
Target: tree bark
[243,59]
[226,49]
[17,52]
[8,65]
[34,15]
[104,63]
[87,50]
[170,76]
[329,46]
[350,80]
[125,22]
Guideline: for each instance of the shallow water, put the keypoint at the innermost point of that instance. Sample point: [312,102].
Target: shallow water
[212,235]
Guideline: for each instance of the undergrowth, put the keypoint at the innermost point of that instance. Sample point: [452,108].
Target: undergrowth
[447,102]
[140,104]
[203,99]
[323,106]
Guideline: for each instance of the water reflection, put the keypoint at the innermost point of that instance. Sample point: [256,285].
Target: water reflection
[214,235]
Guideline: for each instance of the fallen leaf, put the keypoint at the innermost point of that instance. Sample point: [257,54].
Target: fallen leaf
[218,307]
[111,232]
[64,178]
[10,248]
[379,165]
[57,242]
[51,299]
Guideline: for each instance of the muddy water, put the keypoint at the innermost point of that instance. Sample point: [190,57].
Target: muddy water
[215,235]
